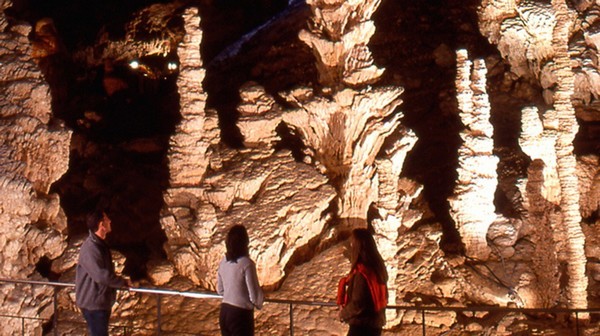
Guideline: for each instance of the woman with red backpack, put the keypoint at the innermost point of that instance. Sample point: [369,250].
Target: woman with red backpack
[362,295]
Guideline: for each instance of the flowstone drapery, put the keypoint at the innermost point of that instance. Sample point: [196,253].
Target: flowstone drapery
[345,127]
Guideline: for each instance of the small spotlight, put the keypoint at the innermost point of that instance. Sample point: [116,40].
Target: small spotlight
[172,66]
[134,64]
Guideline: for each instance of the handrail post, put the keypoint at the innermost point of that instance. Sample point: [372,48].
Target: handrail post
[577,322]
[158,317]
[55,321]
[423,320]
[22,326]
[291,319]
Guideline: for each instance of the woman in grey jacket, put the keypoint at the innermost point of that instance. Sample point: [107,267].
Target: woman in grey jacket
[238,283]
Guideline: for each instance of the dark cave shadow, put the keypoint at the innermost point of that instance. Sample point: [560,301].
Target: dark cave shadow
[421,30]
[120,140]
[119,161]
[223,25]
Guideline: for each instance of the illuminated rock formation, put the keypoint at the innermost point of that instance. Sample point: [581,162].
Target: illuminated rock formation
[535,38]
[542,195]
[34,153]
[338,35]
[148,33]
[293,129]
[394,209]
[567,129]
[473,200]
[189,152]
[345,128]
[257,187]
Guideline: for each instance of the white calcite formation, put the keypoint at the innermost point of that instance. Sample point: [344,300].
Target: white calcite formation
[536,39]
[259,117]
[189,148]
[526,32]
[396,195]
[34,153]
[538,141]
[588,171]
[542,195]
[297,202]
[338,36]
[473,201]
[345,133]
[281,202]
[345,129]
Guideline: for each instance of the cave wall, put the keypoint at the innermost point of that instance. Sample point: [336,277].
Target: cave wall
[475,164]
[35,153]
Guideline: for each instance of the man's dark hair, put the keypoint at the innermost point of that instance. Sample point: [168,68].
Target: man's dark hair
[236,243]
[93,219]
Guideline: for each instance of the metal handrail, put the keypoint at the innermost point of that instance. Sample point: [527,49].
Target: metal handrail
[211,295]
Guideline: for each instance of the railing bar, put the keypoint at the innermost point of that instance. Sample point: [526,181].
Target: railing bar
[22,326]
[321,303]
[209,295]
[34,282]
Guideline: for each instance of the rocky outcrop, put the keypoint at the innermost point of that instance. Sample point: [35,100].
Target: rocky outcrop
[535,38]
[150,32]
[34,153]
[282,202]
[320,148]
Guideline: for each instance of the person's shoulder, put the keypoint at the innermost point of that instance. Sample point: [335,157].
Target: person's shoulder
[87,242]
[245,261]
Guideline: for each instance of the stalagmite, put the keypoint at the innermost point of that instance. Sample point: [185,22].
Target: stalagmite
[542,195]
[473,201]
[567,129]
[189,152]
[256,186]
[394,200]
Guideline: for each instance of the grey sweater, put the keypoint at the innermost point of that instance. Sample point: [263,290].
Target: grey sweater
[238,283]
[95,279]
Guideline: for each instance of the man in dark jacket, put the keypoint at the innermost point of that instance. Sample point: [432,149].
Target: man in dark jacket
[95,280]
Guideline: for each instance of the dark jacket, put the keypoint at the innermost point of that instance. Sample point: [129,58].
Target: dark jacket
[95,279]
[360,310]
